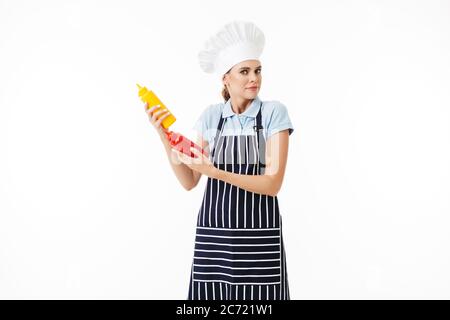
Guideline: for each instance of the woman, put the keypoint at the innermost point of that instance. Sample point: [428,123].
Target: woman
[239,251]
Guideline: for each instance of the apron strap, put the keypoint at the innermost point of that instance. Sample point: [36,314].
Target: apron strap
[218,131]
[261,142]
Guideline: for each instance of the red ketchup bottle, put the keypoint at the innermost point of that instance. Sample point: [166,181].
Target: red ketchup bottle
[183,144]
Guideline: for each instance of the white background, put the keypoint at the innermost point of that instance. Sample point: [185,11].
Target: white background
[89,206]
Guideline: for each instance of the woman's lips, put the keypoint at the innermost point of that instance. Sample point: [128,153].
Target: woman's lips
[254,88]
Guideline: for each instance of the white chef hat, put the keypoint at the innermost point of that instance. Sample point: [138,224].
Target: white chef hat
[235,42]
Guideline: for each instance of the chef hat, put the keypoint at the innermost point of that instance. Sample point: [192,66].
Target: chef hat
[235,42]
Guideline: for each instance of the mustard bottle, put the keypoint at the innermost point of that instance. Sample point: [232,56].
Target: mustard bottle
[152,100]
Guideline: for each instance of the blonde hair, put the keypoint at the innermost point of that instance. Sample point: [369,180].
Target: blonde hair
[225,94]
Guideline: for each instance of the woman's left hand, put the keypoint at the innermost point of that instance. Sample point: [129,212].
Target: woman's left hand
[201,164]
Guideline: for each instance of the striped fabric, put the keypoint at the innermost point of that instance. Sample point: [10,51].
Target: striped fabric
[239,252]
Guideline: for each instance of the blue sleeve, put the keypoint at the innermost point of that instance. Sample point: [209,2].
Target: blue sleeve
[204,123]
[279,120]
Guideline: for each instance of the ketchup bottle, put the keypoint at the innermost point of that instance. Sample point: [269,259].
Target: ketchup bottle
[183,144]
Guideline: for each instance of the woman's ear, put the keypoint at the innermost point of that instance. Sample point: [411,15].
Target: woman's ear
[224,80]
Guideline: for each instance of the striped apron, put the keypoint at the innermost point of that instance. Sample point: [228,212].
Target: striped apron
[239,252]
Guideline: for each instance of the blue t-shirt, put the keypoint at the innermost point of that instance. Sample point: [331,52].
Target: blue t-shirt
[274,118]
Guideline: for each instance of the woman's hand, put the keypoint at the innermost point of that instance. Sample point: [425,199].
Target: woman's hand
[201,164]
[156,116]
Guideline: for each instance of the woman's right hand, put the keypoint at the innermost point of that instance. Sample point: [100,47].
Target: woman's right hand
[156,115]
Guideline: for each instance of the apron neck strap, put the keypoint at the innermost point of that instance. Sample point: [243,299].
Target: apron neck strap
[258,127]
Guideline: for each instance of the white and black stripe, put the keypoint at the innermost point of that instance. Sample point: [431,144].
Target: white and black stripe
[239,252]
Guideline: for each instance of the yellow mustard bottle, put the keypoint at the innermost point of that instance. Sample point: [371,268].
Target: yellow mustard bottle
[152,100]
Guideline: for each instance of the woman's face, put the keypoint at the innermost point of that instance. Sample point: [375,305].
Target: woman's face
[242,77]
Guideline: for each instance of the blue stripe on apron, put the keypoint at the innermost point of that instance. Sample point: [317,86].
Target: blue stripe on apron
[239,252]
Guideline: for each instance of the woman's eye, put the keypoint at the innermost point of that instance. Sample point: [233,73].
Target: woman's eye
[259,71]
